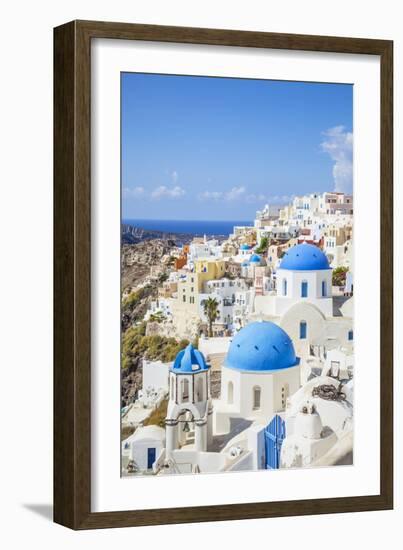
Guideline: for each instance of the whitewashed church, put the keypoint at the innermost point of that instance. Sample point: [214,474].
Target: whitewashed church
[260,410]
[303,305]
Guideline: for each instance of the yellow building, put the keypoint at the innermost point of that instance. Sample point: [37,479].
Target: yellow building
[189,288]
[339,233]
[185,308]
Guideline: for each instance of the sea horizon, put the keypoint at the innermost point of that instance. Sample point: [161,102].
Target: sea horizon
[193,227]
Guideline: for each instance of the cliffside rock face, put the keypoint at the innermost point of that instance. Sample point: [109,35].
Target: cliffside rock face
[139,259]
[142,266]
[133,310]
[189,329]
[130,383]
[132,235]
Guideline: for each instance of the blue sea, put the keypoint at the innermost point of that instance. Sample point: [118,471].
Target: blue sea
[193,227]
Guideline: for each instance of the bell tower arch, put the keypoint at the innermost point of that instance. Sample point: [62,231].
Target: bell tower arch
[189,401]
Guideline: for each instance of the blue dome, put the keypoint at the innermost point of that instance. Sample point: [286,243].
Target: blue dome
[261,347]
[244,264]
[245,247]
[304,257]
[255,258]
[189,360]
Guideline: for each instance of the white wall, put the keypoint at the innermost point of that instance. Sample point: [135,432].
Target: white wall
[314,290]
[26,228]
[155,374]
[270,386]
[315,322]
[139,451]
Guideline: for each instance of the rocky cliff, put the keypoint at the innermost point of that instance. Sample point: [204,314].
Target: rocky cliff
[143,267]
[138,260]
[133,235]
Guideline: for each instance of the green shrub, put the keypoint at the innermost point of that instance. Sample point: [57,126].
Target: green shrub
[339,276]
[157,317]
[133,299]
[136,344]
[264,243]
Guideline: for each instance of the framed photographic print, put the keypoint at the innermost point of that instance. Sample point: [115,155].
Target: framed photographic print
[223,275]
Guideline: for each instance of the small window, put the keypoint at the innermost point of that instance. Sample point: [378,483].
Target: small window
[324,292]
[302,330]
[172,388]
[304,289]
[230,393]
[199,390]
[334,369]
[256,397]
[284,395]
[284,287]
[184,298]
[350,335]
[185,389]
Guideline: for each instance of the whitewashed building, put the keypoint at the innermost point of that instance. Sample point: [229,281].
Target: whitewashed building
[303,303]
[260,387]
[260,371]
[207,249]
[162,307]
[234,302]
[142,449]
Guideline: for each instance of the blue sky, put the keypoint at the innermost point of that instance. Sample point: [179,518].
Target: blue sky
[220,148]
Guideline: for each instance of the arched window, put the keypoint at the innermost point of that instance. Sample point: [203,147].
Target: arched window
[256,397]
[302,330]
[172,380]
[284,395]
[324,291]
[185,389]
[199,389]
[284,287]
[304,289]
[230,398]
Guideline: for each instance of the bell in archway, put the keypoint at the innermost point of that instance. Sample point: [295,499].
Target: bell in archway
[186,427]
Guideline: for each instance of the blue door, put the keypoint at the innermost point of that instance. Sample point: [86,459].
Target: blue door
[274,434]
[304,289]
[150,457]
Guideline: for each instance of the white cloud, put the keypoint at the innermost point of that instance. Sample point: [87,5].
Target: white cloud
[237,193]
[211,195]
[233,194]
[167,192]
[281,199]
[262,199]
[339,145]
[133,192]
[256,198]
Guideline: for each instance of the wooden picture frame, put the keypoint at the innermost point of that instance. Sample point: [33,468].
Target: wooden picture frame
[72,274]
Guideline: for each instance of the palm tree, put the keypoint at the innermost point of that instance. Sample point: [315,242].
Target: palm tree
[211,312]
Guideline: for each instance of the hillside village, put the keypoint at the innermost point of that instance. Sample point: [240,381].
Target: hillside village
[238,352]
